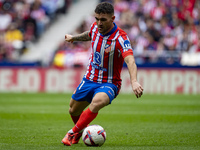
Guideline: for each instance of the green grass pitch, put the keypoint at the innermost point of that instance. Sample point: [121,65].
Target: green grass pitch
[153,122]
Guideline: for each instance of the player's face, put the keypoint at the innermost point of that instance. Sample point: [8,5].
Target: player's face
[104,22]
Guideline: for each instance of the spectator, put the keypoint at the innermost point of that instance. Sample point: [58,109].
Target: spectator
[25,20]
[158,11]
[5,48]
[5,18]
[14,38]
[38,13]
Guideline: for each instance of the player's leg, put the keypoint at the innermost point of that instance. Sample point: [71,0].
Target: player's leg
[76,108]
[99,101]
[78,103]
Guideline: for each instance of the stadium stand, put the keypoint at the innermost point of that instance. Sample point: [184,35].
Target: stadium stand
[23,22]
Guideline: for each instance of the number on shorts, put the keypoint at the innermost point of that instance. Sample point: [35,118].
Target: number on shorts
[81,85]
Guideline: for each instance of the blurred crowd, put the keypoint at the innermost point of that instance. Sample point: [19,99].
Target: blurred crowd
[24,21]
[159,30]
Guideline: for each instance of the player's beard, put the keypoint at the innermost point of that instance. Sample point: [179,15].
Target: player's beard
[103,29]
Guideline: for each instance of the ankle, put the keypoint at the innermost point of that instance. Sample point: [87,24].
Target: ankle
[70,131]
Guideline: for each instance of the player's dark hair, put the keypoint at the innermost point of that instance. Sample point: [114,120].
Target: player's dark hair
[104,8]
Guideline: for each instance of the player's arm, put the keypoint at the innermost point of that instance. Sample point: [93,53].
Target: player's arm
[137,88]
[80,37]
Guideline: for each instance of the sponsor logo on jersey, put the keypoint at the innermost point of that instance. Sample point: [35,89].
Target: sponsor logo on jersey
[98,67]
[127,44]
[97,57]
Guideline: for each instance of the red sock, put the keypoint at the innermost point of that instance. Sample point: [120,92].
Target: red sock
[86,117]
[75,118]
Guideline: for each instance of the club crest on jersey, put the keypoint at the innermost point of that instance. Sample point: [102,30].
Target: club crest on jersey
[107,48]
[127,44]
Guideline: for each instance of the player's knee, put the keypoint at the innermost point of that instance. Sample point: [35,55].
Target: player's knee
[72,111]
[72,108]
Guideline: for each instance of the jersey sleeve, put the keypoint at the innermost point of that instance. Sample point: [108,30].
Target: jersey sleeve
[125,46]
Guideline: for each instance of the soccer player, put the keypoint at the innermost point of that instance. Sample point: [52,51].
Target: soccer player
[101,83]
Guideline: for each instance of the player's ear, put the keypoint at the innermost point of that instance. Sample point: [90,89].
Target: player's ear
[113,18]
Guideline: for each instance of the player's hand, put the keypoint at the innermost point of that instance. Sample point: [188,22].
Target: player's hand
[68,38]
[137,89]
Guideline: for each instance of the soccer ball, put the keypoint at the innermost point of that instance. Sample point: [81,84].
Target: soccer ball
[94,135]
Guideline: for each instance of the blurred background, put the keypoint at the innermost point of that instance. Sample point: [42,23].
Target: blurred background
[165,37]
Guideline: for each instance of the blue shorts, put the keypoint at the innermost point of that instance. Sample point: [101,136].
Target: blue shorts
[87,89]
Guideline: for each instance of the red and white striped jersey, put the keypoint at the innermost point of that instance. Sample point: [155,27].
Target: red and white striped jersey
[107,57]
